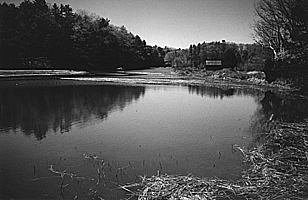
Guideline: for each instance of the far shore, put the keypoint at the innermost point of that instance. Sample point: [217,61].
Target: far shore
[155,75]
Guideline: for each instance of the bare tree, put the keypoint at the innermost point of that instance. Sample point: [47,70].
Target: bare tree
[282,25]
[277,23]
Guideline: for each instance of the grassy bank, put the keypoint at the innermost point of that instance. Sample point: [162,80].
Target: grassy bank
[278,170]
[228,75]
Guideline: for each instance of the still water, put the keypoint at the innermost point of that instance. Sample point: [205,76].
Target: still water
[80,140]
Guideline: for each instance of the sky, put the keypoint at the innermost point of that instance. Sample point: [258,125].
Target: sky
[174,23]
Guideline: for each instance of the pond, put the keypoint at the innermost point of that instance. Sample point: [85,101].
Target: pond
[65,139]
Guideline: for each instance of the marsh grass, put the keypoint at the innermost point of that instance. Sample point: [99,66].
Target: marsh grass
[279,165]
[278,170]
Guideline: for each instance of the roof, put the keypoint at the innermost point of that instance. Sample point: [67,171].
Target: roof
[213,62]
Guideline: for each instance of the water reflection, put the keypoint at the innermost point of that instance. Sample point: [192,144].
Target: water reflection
[222,92]
[163,128]
[212,92]
[36,110]
[271,105]
[284,108]
[273,108]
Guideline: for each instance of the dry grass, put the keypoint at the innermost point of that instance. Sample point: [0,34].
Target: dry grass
[186,187]
[279,170]
[279,166]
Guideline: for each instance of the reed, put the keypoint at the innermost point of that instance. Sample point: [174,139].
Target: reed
[278,170]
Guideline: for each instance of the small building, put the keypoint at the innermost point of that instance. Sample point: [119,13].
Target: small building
[213,64]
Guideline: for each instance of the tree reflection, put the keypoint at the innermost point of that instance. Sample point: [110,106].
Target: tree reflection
[37,110]
[216,92]
[213,92]
[284,108]
[278,108]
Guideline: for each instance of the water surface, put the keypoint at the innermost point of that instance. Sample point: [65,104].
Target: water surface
[101,136]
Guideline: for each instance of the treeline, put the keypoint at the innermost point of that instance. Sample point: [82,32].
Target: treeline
[39,35]
[232,55]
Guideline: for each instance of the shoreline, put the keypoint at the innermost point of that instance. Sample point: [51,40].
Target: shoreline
[152,76]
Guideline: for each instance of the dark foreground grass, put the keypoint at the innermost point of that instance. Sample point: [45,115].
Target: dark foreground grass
[279,170]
